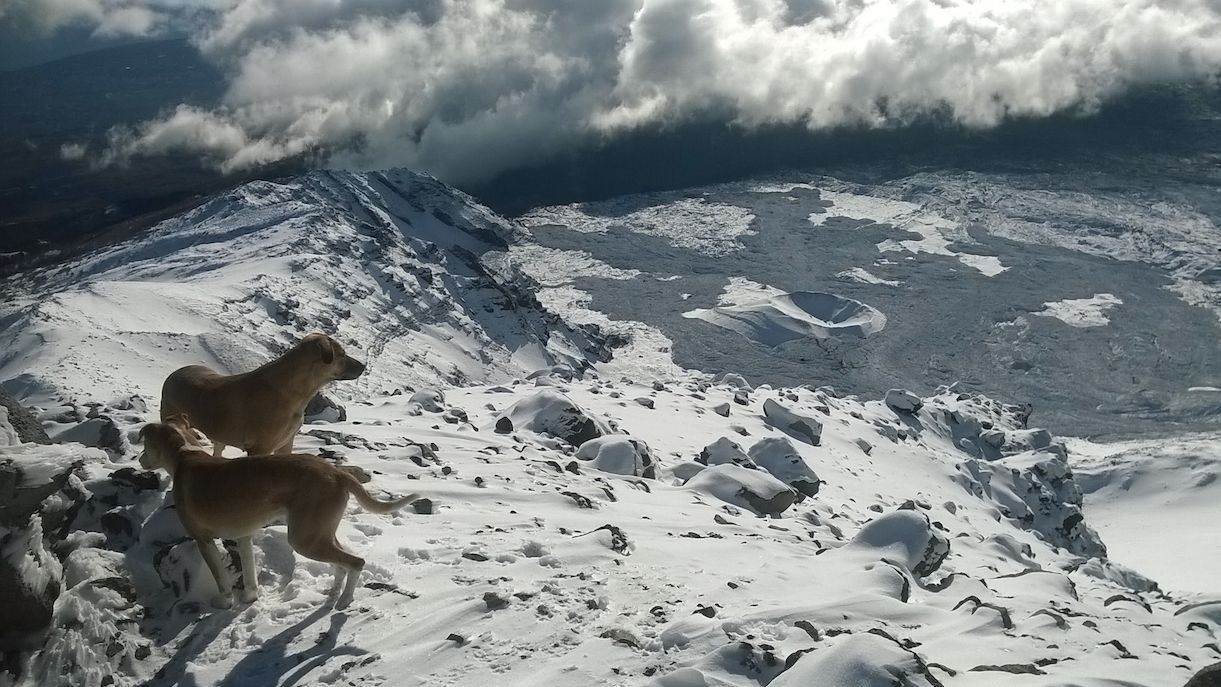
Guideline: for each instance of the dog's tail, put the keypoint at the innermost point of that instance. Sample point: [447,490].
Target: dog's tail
[355,488]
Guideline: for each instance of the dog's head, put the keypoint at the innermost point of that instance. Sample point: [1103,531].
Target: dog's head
[163,440]
[330,356]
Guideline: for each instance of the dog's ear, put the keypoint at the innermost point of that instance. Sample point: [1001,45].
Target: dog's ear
[327,348]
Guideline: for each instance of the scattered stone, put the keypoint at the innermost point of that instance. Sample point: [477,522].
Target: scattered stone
[24,425]
[645,401]
[621,636]
[865,446]
[722,409]
[423,506]
[494,601]
[504,426]
[456,638]
[742,398]
[475,556]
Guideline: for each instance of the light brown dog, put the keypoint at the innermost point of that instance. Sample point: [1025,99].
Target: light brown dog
[234,498]
[259,411]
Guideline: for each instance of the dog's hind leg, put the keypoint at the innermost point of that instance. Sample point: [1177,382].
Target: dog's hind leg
[250,574]
[313,535]
[211,556]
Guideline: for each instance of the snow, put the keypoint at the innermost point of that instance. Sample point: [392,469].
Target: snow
[1145,498]
[864,276]
[937,234]
[696,223]
[1082,312]
[789,316]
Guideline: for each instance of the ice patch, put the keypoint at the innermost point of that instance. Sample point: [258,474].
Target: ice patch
[864,276]
[1082,312]
[790,316]
[694,223]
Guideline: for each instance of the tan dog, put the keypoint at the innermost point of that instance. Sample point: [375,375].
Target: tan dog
[232,499]
[260,411]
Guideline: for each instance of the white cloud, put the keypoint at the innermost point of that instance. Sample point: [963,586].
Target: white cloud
[468,88]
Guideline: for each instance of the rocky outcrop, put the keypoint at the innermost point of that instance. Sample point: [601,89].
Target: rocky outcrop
[20,421]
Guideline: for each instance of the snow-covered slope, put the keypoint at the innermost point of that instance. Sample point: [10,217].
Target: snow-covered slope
[411,273]
[926,553]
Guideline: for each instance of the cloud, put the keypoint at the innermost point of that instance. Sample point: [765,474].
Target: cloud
[107,18]
[470,88]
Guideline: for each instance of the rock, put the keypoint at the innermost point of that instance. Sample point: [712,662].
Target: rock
[19,422]
[865,446]
[423,506]
[99,432]
[722,451]
[799,427]
[742,398]
[722,409]
[494,601]
[431,400]
[30,581]
[780,458]
[619,454]
[993,437]
[551,412]
[755,490]
[504,426]
[1209,676]
[734,380]
[322,408]
[456,638]
[903,401]
[646,402]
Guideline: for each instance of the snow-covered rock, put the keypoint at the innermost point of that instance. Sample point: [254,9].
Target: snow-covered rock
[800,427]
[751,489]
[859,660]
[781,458]
[619,454]
[724,450]
[551,412]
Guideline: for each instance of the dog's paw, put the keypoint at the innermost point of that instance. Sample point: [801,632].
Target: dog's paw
[343,602]
[248,595]
[222,602]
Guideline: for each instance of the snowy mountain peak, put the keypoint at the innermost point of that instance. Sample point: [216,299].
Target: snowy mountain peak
[410,272]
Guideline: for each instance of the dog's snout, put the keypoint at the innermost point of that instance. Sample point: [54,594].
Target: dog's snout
[352,369]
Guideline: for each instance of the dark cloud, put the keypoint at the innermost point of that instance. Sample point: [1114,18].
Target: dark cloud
[469,88]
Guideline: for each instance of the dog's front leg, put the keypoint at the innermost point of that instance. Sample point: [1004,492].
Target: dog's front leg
[218,449]
[211,556]
[250,574]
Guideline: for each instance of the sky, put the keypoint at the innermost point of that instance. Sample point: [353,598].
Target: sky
[470,88]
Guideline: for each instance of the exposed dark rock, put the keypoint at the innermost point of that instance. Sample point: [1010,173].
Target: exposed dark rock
[22,420]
